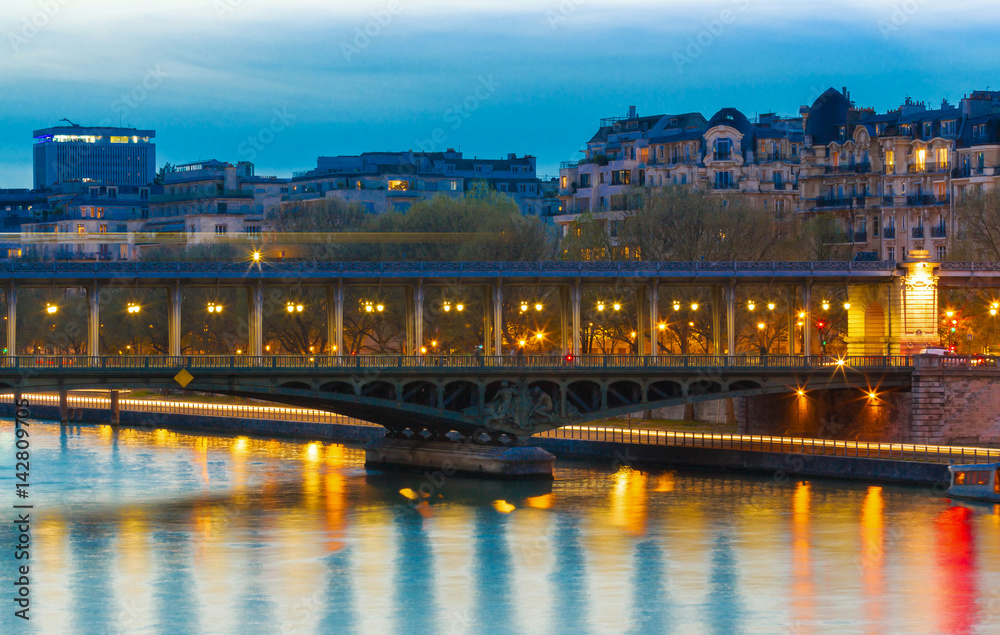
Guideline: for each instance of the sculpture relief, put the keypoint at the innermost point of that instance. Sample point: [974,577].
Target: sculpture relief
[519,408]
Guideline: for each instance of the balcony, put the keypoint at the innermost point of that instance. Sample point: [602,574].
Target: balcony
[916,200]
[856,168]
[725,186]
[939,232]
[722,156]
[887,201]
[834,202]
[917,232]
[889,233]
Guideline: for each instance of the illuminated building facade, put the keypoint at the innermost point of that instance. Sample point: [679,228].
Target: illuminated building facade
[104,156]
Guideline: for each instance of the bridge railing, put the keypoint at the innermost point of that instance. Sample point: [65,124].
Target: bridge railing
[123,362]
[787,445]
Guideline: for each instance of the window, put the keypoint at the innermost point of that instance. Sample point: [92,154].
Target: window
[875,226]
[921,163]
[399,185]
[621,177]
[980,160]
[941,252]
[723,180]
[585,180]
[103,229]
[604,204]
[927,129]
[502,187]
[948,127]
[221,230]
[80,229]
[601,177]
[942,158]
[890,254]
[723,149]
[253,230]
[562,181]
[659,152]
[890,162]
[996,477]
[795,150]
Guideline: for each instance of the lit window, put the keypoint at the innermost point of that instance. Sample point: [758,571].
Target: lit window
[890,161]
[921,160]
[119,139]
[942,158]
[399,185]
[80,229]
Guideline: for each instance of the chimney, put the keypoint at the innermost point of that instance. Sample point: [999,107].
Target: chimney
[631,112]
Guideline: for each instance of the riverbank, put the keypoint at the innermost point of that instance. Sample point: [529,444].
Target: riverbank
[630,453]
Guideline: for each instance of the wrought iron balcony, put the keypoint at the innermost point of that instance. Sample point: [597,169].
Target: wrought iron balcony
[940,231]
[889,233]
[917,232]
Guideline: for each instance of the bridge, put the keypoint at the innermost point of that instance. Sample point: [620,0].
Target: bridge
[890,309]
[494,396]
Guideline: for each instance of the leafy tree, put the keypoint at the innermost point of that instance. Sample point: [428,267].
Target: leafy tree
[979,219]
[161,174]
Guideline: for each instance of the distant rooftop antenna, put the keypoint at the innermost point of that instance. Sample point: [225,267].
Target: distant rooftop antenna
[75,125]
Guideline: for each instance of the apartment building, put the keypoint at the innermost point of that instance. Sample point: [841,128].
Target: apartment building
[394,181]
[892,180]
[727,154]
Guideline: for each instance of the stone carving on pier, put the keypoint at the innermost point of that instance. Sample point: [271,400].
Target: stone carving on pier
[517,408]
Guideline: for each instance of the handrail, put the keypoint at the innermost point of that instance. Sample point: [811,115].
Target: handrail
[914,452]
[69,363]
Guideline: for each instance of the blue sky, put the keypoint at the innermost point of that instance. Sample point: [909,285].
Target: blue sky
[284,82]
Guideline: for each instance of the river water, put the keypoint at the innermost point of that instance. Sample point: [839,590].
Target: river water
[146,531]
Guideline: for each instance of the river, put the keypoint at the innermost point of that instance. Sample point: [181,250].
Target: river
[151,531]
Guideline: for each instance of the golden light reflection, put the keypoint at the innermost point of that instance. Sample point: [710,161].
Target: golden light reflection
[335,456]
[629,500]
[239,445]
[336,511]
[873,554]
[313,451]
[665,482]
[540,502]
[503,506]
[409,493]
[803,592]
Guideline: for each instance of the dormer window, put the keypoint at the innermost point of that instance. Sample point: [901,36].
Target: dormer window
[927,129]
[948,127]
[673,121]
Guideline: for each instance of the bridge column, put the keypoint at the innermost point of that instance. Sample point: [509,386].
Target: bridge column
[12,320]
[255,295]
[793,317]
[564,309]
[807,326]
[487,313]
[115,412]
[640,313]
[576,297]
[63,407]
[497,318]
[731,318]
[93,320]
[418,314]
[174,319]
[335,319]
[654,315]
[717,294]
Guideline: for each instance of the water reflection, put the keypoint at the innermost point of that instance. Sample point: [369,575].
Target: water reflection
[958,583]
[414,584]
[724,608]
[568,579]
[650,597]
[143,531]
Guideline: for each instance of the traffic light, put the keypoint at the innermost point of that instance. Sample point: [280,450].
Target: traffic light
[954,323]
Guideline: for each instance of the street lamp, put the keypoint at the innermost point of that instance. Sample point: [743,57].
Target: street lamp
[538,306]
[847,306]
[770,306]
[826,305]
[51,308]
[751,306]
[600,306]
[214,307]
[132,307]
[616,306]
[694,306]
[677,306]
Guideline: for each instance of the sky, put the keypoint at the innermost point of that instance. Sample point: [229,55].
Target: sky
[281,83]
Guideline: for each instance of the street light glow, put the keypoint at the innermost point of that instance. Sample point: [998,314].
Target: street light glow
[661,326]
[256,256]
[538,306]
[539,336]
[847,306]
[600,306]
[770,306]
[616,306]
[51,308]
[761,326]
[214,308]
[751,306]
[826,305]
[132,307]
[694,306]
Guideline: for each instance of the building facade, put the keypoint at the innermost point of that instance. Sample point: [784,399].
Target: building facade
[106,156]
[394,181]
[727,154]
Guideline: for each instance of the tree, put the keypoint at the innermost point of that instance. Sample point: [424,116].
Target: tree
[979,217]
[161,174]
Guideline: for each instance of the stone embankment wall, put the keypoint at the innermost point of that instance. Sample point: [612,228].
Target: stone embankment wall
[955,403]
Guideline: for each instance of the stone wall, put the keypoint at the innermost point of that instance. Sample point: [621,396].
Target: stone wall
[954,403]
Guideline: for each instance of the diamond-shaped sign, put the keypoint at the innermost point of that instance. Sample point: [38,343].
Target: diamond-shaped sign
[183,378]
